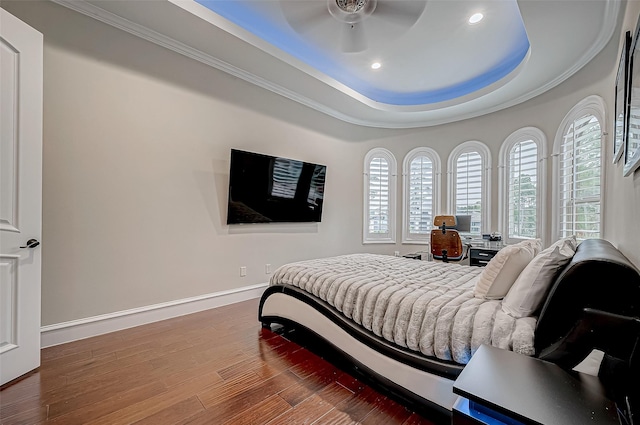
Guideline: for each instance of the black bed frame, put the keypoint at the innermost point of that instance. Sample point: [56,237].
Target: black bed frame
[594,302]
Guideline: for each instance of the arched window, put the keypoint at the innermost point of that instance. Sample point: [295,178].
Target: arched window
[380,170]
[577,154]
[469,168]
[421,183]
[521,184]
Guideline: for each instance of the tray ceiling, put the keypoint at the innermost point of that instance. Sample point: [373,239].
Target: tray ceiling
[380,63]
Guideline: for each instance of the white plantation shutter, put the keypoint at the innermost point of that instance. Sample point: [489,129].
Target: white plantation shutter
[421,168]
[579,179]
[469,188]
[522,191]
[379,196]
[421,195]
[379,214]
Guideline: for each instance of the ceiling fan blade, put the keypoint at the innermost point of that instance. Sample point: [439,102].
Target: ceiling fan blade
[400,12]
[353,38]
[305,16]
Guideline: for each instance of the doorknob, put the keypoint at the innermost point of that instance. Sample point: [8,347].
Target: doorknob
[31,243]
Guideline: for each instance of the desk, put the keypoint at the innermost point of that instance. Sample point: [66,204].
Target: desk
[501,387]
[481,251]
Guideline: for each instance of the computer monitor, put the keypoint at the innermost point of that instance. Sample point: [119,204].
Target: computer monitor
[463,223]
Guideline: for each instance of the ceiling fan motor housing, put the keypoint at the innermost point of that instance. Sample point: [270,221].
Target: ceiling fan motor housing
[351,11]
[351,6]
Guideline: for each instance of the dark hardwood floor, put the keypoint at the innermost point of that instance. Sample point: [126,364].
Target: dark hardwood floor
[213,367]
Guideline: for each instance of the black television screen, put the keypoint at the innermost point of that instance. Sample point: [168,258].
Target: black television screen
[264,189]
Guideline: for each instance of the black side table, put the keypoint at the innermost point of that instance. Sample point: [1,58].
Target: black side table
[481,253]
[502,387]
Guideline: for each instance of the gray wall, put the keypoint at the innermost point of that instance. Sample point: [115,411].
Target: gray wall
[622,194]
[136,152]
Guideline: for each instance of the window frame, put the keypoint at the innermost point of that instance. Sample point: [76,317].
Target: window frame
[485,155]
[372,238]
[522,135]
[407,236]
[591,105]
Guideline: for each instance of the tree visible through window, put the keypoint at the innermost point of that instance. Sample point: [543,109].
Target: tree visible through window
[522,190]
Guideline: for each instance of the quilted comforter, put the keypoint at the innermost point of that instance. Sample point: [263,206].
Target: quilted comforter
[427,307]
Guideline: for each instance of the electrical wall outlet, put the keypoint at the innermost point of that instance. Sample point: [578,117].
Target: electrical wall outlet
[243,271]
[396,253]
[267,269]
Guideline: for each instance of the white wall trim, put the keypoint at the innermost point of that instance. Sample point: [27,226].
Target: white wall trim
[95,12]
[60,333]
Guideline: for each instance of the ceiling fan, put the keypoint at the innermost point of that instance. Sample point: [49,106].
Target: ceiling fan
[359,23]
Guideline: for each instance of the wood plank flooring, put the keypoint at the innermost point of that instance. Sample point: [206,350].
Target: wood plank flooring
[213,367]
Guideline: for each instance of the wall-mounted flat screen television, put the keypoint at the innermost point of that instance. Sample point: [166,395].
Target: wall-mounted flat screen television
[264,189]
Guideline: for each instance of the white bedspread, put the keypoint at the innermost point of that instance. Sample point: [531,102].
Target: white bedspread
[424,306]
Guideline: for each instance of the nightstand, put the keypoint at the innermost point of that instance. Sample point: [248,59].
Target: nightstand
[481,253]
[501,387]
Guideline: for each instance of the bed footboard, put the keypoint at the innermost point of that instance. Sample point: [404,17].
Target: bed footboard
[424,384]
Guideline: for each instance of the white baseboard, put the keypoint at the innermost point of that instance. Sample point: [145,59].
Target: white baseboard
[74,330]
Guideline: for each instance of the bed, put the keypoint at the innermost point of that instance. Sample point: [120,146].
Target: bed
[411,326]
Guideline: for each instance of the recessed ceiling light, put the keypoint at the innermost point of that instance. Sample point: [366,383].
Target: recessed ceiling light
[376,65]
[475,18]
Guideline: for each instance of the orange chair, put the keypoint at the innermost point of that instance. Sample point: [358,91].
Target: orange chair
[446,244]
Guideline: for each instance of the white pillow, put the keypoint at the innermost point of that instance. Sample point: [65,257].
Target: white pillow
[536,244]
[569,240]
[531,287]
[503,269]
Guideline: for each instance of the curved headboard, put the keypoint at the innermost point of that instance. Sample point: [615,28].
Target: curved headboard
[598,277]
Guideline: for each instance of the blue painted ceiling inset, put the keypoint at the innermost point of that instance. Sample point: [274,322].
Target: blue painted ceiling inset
[243,14]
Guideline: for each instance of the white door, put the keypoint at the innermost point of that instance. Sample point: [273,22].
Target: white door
[20,196]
